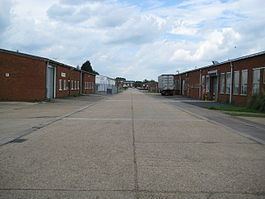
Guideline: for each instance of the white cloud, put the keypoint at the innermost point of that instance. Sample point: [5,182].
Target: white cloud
[5,14]
[137,41]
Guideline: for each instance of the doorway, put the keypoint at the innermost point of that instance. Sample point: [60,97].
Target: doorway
[213,87]
[50,82]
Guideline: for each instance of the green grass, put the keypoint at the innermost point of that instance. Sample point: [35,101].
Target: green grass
[245,114]
[233,108]
[238,111]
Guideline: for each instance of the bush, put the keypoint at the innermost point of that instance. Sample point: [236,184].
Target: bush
[257,102]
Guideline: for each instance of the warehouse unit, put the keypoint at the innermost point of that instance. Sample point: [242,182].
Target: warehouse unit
[25,77]
[232,81]
[105,85]
[88,83]
[68,81]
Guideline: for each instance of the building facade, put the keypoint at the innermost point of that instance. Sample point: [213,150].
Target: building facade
[233,81]
[26,77]
[105,85]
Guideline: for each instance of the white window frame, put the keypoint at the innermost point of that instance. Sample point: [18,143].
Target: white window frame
[207,83]
[228,83]
[64,84]
[222,83]
[244,82]
[236,83]
[72,85]
[60,85]
[78,86]
[256,84]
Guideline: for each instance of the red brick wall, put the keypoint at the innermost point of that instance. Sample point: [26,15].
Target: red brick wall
[194,84]
[67,74]
[250,64]
[27,80]
[192,79]
[88,83]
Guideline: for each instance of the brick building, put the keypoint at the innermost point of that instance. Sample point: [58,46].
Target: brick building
[26,77]
[232,81]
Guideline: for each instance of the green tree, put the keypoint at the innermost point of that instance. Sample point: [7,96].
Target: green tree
[88,67]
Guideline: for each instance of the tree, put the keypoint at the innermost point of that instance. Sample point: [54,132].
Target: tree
[120,79]
[138,84]
[88,67]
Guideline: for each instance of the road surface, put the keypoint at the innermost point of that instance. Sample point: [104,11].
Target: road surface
[132,145]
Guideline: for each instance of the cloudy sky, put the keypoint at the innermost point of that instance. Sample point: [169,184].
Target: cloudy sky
[135,39]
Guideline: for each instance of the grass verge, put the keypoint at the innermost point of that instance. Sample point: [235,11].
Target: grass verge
[238,111]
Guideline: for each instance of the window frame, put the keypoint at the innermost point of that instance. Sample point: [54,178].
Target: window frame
[72,84]
[222,83]
[228,83]
[236,86]
[258,81]
[65,85]
[60,85]
[242,84]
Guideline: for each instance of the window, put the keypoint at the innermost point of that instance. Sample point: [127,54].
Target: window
[203,81]
[228,82]
[85,85]
[207,83]
[222,83]
[78,86]
[60,84]
[89,85]
[244,82]
[65,85]
[72,85]
[256,81]
[236,83]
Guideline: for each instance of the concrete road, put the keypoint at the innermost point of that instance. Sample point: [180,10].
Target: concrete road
[132,145]
[21,118]
[251,127]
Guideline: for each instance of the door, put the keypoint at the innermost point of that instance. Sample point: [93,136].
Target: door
[50,83]
[183,87]
[213,88]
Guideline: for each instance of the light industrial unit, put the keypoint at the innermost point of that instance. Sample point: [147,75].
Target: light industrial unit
[25,77]
[231,81]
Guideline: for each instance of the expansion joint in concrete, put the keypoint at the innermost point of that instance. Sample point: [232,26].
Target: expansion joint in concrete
[136,186]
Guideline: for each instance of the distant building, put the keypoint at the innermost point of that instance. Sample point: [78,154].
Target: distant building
[119,81]
[105,85]
[151,86]
[128,84]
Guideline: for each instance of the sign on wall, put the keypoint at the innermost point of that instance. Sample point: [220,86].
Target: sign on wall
[63,74]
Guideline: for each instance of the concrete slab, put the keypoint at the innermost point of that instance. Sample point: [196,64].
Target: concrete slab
[258,120]
[130,145]
[65,194]
[210,167]
[71,155]
[193,130]
[20,118]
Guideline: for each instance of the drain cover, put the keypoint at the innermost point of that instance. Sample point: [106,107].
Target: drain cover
[19,140]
